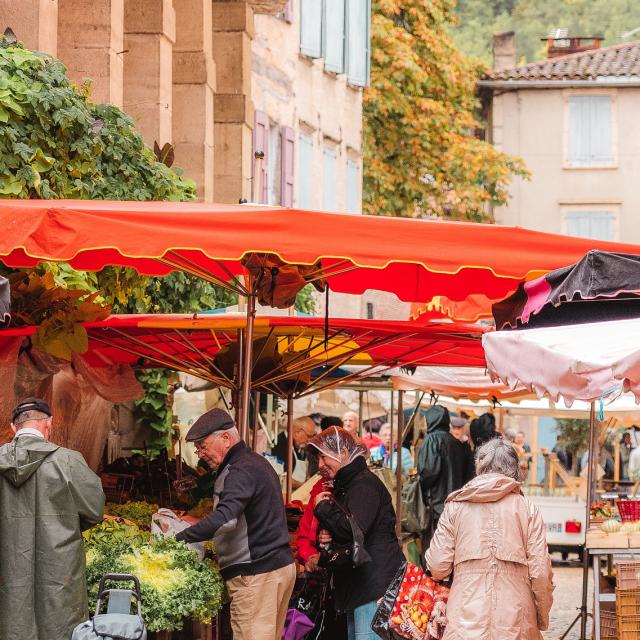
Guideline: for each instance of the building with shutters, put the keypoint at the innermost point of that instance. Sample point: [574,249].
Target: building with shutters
[573,118]
[222,80]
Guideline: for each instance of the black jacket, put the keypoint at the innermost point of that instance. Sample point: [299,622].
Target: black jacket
[444,463]
[363,494]
[248,521]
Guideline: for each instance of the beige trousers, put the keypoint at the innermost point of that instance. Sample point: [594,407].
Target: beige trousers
[259,603]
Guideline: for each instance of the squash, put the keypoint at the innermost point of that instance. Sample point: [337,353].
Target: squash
[610,526]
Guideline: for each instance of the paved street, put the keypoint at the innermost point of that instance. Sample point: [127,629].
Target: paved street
[566,600]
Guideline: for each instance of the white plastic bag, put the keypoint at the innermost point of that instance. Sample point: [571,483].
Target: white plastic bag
[165,522]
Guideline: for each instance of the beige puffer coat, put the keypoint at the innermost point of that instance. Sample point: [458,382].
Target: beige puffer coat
[493,540]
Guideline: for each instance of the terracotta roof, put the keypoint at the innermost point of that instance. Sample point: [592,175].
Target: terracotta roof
[620,60]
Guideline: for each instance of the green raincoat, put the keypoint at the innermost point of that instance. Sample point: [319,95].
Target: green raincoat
[48,496]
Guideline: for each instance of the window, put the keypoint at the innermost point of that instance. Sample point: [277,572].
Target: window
[274,165]
[329,179]
[353,187]
[333,35]
[597,225]
[590,139]
[311,28]
[305,169]
[369,310]
[358,20]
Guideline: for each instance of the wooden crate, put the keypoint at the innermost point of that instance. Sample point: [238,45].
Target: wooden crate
[608,625]
[628,575]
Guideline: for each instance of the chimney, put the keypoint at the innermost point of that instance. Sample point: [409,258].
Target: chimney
[559,43]
[504,50]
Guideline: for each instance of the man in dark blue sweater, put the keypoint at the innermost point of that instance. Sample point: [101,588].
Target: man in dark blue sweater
[248,524]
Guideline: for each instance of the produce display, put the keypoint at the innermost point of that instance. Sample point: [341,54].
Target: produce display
[137,512]
[175,583]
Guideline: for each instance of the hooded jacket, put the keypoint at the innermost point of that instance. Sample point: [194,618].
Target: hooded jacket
[493,540]
[48,496]
[444,463]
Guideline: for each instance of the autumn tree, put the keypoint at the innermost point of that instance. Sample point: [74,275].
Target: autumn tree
[421,154]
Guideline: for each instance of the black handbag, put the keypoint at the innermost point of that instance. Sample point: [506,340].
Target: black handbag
[353,554]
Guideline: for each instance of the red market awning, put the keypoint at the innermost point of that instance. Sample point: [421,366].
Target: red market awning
[417,260]
[286,349]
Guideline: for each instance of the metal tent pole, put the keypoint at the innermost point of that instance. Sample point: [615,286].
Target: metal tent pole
[247,362]
[289,447]
[360,429]
[256,420]
[399,432]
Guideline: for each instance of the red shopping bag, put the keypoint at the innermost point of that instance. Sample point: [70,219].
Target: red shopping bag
[415,610]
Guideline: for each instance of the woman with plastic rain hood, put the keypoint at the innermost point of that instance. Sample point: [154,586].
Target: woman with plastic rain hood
[357,530]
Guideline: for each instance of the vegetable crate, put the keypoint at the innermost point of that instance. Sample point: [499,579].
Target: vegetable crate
[629,510]
[628,575]
[628,613]
[608,625]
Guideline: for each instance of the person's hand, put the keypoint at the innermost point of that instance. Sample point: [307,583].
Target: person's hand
[323,495]
[311,565]
[324,537]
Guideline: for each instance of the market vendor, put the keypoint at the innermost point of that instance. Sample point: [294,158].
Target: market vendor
[48,496]
[249,526]
[304,428]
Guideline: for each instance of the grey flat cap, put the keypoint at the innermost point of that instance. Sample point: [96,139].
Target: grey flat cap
[208,423]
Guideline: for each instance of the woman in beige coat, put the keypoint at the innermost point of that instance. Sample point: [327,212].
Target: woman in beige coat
[492,539]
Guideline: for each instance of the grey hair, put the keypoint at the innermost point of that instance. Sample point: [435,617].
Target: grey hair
[498,456]
[28,416]
[510,434]
[233,432]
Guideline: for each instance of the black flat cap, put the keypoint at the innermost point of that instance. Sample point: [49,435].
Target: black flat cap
[208,423]
[30,404]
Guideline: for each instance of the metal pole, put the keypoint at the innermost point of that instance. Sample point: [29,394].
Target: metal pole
[256,418]
[248,360]
[399,432]
[360,429]
[236,393]
[590,487]
[289,447]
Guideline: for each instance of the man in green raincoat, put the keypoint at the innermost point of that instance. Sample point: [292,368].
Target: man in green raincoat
[48,496]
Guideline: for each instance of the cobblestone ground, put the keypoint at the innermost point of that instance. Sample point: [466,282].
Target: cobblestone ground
[566,600]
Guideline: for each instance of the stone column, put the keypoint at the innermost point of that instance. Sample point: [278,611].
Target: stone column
[149,34]
[232,35]
[193,97]
[91,44]
[35,22]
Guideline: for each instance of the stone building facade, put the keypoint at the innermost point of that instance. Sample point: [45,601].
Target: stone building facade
[222,80]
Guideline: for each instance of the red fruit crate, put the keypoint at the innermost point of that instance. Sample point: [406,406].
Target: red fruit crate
[629,510]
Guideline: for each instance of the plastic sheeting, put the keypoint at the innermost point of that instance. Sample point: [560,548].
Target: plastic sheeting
[81,397]
[574,362]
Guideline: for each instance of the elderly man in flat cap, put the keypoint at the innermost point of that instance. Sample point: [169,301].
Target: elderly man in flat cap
[48,496]
[249,526]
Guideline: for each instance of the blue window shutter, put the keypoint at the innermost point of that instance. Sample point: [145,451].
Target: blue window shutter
[311,28]
[287,163]
[358,41]
[329,179]
[261,167]
[597,225]
[305,170]
[353,187]
[333,35]
[590,131]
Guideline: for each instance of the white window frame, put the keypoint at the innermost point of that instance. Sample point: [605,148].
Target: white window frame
[610,207]
[613,96]
[331,66]
[355,165]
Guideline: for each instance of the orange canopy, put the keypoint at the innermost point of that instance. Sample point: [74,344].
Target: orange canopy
[415,259]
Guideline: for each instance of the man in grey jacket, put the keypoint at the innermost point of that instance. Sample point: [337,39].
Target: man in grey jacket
[48,496]
[249,526]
